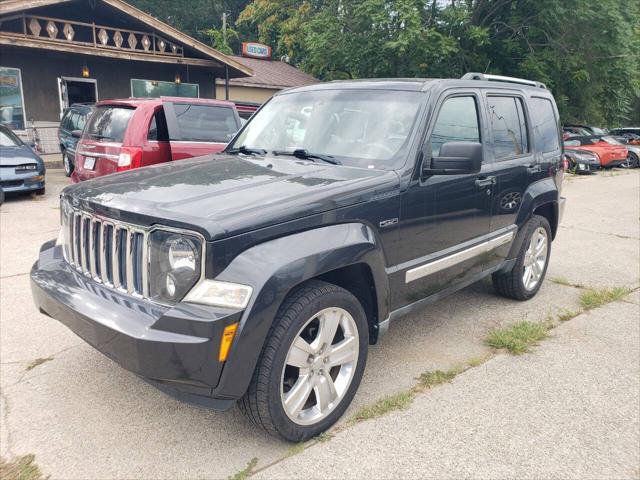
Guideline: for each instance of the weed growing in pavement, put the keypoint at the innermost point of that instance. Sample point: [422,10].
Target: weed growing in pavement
[37,362]
[21,468]
[594,298]
[245,472]
[397,401]
[564,281]
[519,337]
[431,379]
[295,449]
[568,315]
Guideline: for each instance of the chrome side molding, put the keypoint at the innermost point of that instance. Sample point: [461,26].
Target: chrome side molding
[458,257]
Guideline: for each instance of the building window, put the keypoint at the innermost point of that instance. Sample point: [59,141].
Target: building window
[11,99]
[155,88]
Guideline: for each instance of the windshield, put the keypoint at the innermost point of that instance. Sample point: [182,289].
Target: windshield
[9,139]
[612,141]
[363,128]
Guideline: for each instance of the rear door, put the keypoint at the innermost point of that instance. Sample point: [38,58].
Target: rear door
[98,151]
[198,128]
[156,148]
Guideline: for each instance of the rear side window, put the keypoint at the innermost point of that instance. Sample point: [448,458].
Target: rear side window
[82,120]
[545,125]
[457,122]
[509,127]
[109,123]
[158,127]
[204,123]
[65,123]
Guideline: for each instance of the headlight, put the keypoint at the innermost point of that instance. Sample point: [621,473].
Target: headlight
[174,265]
[220,294]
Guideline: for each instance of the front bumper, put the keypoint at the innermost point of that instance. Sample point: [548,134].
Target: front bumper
[22,182]
[174,348]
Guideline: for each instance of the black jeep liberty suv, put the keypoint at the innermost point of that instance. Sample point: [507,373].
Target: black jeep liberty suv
[261,275]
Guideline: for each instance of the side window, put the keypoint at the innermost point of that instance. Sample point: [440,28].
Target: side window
[457,122]
[545,125]
[158,127]
[509,127]
[204,123]
[74,121]
[65,123]
[82,120]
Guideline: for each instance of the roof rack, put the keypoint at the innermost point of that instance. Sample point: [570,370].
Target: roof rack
[501,78]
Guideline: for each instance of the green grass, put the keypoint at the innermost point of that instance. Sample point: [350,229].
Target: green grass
[398,401]
[564,281]
[20,468]
[431,379]
[295,449]
[38,361]
[594,298]
[519,337]
[245,472]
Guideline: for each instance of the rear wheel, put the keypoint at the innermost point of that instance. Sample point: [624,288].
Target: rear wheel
[311,364]
[632,161]
[67,163]
[525,279]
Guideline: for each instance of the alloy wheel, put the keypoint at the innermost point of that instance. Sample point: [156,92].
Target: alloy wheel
[319,366]
[535,258]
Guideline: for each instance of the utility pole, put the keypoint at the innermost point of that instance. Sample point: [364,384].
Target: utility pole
[224,28]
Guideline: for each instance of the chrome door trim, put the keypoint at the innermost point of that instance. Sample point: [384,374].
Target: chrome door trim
[448,261]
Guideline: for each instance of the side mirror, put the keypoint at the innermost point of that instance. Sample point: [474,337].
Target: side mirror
[76,133]
[456,158]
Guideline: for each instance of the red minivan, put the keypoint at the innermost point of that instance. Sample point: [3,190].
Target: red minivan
[137,132]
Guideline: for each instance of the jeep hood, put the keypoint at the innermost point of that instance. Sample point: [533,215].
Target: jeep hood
[225,195]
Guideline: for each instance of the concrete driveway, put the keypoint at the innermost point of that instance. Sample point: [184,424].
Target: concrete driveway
[85,417]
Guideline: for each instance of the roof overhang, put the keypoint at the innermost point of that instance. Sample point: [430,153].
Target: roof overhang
[216,58]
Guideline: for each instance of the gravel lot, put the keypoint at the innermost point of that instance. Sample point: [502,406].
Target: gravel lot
[85,417]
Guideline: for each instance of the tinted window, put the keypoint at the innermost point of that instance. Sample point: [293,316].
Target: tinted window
[65,123]
[204,123]
[545,125]
[509,127]
[82,120]
[457,122]
[158,127]
[109,123]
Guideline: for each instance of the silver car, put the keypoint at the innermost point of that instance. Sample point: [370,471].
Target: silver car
[21,169]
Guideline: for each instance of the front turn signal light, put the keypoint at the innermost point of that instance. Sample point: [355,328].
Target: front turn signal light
[225,342]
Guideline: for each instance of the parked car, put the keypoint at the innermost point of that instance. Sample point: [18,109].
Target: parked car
[633,152]
[589,129]
[137,132]
[263,276]
[582,161]
[626,130]
[609,151]
[569,131]
[73,119]
[21,169]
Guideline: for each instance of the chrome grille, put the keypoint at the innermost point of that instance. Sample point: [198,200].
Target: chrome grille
[110,252]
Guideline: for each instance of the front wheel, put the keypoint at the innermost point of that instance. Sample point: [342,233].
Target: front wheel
[311,364]
[525,279]
[632,161]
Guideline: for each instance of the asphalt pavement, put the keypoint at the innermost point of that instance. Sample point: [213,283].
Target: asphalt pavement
[567,409]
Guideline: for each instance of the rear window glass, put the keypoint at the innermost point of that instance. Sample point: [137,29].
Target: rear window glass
[509,127]
[109,123]
[545,125]
[204,123]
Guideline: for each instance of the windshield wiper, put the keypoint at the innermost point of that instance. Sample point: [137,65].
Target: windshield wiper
[304,155]
[247,151]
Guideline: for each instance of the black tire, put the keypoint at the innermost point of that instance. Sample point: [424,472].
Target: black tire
[67,163]
[511,284]
[262,402]
[633,160]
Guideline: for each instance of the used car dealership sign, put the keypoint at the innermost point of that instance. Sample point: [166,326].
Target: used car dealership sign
[256,50]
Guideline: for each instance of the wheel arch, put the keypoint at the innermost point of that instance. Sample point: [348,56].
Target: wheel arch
[337,254]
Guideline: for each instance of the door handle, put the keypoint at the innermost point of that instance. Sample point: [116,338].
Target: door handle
[484,182]
[533,169]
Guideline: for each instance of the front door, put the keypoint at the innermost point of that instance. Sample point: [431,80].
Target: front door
[443,217]
[76,90]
